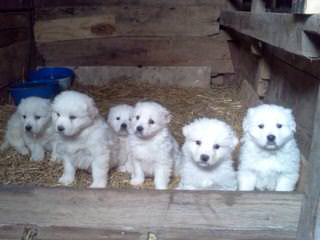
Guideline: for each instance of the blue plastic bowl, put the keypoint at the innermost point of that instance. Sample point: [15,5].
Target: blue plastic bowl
[28,89]
[59,75]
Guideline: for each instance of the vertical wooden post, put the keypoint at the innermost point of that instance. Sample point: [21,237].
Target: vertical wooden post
[306,228]
[258,6]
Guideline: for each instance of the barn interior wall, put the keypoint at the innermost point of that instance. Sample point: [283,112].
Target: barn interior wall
[16,45]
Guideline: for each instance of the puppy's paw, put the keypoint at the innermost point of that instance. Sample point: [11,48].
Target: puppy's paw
[100,184]
[23,151]
[161,187]
[122,168]
[66,180]
[36,157]
[136,181]
[206,183]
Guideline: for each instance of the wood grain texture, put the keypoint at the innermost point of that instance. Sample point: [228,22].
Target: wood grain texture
[289,35]
[213,52]
[309,210]
[174,212]
[98,22]
[165,76]
[72,3]
[14,20]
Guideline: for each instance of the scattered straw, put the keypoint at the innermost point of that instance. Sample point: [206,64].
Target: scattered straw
[184,103]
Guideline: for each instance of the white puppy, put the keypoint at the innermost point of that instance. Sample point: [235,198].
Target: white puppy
[119,118]
[84,137]
[207,156]
[153,149]
[30,129]
[269,156]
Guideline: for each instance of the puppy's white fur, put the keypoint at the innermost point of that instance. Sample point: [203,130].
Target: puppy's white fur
[264,164]
[153,150]
[29,129]
[84,137]
[119,118]
[207,156]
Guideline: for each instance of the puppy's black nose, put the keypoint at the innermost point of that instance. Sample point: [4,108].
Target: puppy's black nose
[124,126]
[28,128]
[60,128]
[204,157]
[139,128]
[271,138]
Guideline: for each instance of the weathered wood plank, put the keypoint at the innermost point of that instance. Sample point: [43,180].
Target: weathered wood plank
[285,31]
[6,5]
[14,20]
[11,36]
[100,22]
[72,3]
[168,76]
[142,211]
[213,52]
[307,221]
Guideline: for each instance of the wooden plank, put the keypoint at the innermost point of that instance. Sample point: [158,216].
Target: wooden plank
[14,20]
[307,221]
[258,6]
[167,212]
[168,76]
[111,21]
[11,36]
[72,3]
[213,52]
[11,5]
[284,31]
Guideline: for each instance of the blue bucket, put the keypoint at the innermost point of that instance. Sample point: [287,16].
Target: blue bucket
[59,75]
[29,89]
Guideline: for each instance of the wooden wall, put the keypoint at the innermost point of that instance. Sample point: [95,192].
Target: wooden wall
[131,33]
[15,43]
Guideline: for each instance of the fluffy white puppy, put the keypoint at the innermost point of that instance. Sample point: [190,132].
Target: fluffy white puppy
[207,156]
[119,118]
[29,129]
[84,137]
[153,149]
[269,156]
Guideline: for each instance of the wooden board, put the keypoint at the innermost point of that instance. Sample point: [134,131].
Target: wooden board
[111,21]
[213,52]
[309,210]
[289,35]
[170,214]
[168,76]
[72,3]
[14,20]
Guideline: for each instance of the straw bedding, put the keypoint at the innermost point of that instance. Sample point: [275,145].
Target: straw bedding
[184,103]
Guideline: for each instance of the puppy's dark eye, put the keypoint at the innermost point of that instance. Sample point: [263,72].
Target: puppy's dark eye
[151,121]
[37,117]
[58,114]
[216,146]
[137,117]
[279,125]
[24,116]
[118,118]
[198,142]
[72,117]
[261,126]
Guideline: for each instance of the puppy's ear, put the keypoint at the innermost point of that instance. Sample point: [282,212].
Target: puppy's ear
[291,121]
[186,131]
[92,109]
[235,140]
[166,115]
